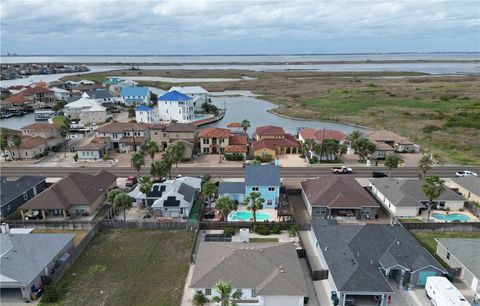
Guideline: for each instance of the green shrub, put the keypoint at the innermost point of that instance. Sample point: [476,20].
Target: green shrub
[233,156]
[276,230]
[52,294]
[229,231]
[429,129]
[265,159]
[371,85]
[199,299]
[293,230]
[261,229]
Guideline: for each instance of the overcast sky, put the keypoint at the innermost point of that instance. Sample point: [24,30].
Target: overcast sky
[238,27]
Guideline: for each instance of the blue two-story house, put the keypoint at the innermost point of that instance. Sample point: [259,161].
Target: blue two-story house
[15,192]
[261,178]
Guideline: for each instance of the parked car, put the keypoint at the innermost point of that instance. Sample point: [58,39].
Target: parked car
[342,170]
[379,174]
[466,173]
[131,181]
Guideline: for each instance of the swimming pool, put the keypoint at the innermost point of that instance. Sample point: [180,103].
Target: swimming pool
[451,217]
[248,216]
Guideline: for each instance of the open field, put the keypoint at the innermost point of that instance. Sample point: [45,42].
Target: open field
[427,239]
[440,113]
[130,267]
[79,233]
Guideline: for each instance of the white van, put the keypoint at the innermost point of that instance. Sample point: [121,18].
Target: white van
[442,292]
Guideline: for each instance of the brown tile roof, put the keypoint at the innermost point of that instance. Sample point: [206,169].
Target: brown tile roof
[307,133]
[234,125]
[40,127]
[29,143]
[269,130]
[214,133]
[180,127]
[97,143]
[122,126]
[288,142]
[236,149]
[385,135]
[157,126]
[130,140]
[325,134]
[238,140]
[36,90]
[74,189]
[337,192]
[381,146]
[16,98]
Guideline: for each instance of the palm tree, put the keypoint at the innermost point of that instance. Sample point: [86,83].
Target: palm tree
[209,190]
[425,164]
[342,150]
[226,296]
[225,205]
[152,148]
[123,201]
[145,186]
[4,144]
[245,125]
[364,147]
[17,141]
[137,162]
[64,129]
[392,161]
[175,153]
[254,202]
[111,198]
[159,168]
[353,137]
[433,189]
[199,299]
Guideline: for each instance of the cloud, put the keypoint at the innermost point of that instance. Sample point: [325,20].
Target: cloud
[236,26]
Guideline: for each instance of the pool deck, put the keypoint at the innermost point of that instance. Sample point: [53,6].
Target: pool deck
[472,217]
[270,211]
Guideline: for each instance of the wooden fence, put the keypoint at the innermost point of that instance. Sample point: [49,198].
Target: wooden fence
[41,224]
[442,226]
[218,225]
[473,208]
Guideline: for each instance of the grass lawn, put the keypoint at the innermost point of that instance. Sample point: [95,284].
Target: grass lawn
[427,239]
[79,233]
[410,220]
[194,213]
[130,267]
[102,211]
[263,240]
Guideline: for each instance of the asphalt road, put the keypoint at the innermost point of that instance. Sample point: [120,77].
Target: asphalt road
[231,172]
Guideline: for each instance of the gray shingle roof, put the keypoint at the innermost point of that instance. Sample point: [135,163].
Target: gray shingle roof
[99,94]
[471,183]
[231,188]
[254,265]
[26,255]
[187,191]
[262,175]
[11,189]
[408,192]
[466,250]
[354,254]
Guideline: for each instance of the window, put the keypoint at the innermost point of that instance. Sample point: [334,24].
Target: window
[25,196]
[164,134]
[271,188]
[448,255]
[254,188]
[208,291]
[253,293]
[205,150]
[206,140]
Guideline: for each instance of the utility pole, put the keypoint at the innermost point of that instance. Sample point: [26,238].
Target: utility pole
[321,145]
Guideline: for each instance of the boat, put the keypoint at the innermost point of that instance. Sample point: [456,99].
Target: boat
[44,114]
[5,115]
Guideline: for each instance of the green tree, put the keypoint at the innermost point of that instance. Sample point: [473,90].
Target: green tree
[329,148]
[433,189]
[175,153]
[137,161]
[145,186]
[209,190]
[245,125]
[353,137]
[111,198]
[226,295]
[254,202]
[425,164]
[152,148]
[342,150]
[131,112]
[64,128]
[17,141]
[199,299]
[4,144]
[123,201]
[225,205]
[159,168]
[255,162]
[364,147]
[391,162]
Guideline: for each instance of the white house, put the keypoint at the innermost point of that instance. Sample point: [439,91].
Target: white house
[146,114]
[101,96]
[60,94]
[135,95]
[405,198]
[176,106]
[86,109]
[197,93]
[266,274]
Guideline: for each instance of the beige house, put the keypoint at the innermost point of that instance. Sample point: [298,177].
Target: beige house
[124,135]
[398,143]
[36,138]
[272,140]
[167,134]
[468,186]
[29,147]
[214,140]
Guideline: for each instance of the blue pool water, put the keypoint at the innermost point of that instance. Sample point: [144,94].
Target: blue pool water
[248,216]
[451,217]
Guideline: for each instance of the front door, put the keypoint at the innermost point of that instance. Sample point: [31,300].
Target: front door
[422,278]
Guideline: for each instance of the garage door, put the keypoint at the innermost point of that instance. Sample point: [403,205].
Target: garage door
[422,278]
[11,294]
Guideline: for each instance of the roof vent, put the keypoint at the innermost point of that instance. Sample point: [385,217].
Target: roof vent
[371,262]
[326,248]
[398,242]
[260,250]
[358,254]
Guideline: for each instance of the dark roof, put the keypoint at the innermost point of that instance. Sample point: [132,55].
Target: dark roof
[180,127]
[354,254]
[471,183]
[99,94]
[262,175]
[11,189]
[187,191]
[74,189]
[157,191]
[408,192]
[171,201]
[337,192]
[231,188]
[119,127]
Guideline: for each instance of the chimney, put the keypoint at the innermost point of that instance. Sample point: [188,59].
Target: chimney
[5,229]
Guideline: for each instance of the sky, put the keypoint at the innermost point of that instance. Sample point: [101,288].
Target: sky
[104,27]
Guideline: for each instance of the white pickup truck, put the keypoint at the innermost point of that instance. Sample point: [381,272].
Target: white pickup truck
[342,170]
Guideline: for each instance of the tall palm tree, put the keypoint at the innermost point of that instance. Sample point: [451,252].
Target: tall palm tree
[4,143]
[226,295]
[254,202]
[342,150]
[425,164]
[17,141]
[123,201]
[137,161]
[209,190]
[433,189]
[225,205]
[245,125]
[364,147]
[145,186]
[353,137]
[175,153]
[152,148]
[392,161]
[111,198]
[159,168]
